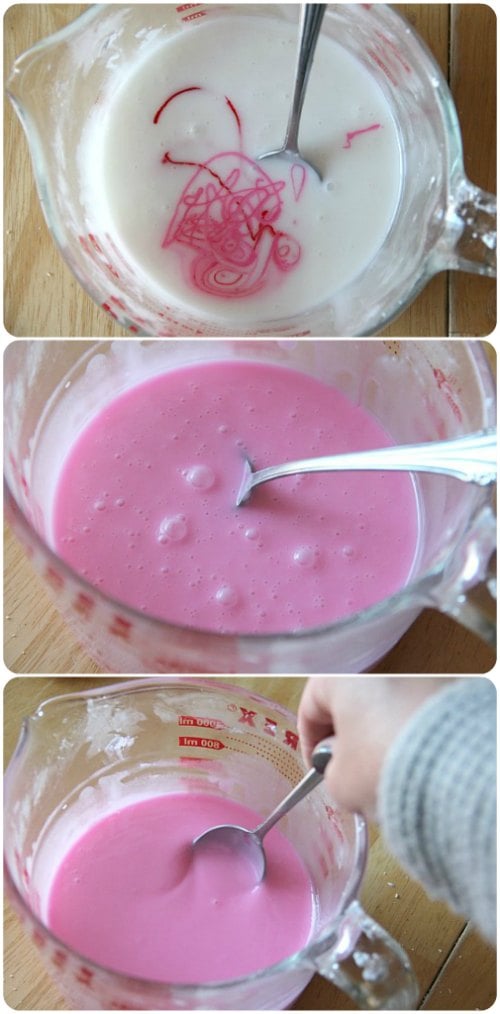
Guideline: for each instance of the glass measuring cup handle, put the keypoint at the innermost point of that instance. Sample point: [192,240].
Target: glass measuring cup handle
[368,965]
[476,607]
[470,237]
[468,591]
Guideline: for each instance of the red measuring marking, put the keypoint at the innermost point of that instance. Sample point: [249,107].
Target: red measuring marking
[199,742]
[201,723]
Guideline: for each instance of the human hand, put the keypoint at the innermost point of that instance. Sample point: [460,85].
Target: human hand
[365,714]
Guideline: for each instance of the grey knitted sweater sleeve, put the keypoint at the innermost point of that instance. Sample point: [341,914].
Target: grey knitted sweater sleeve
[437,799]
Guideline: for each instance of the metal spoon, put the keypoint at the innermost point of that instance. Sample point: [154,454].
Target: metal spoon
[249,843]
[472,458]
[311,17]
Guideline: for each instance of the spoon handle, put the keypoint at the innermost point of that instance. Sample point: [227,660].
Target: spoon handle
[472,458]
[311,18]
[321,755]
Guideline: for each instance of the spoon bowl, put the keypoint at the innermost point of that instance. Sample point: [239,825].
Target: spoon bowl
[246,844]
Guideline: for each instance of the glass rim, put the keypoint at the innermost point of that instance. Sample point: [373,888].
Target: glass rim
[294,961]
[453,174]
[415,594]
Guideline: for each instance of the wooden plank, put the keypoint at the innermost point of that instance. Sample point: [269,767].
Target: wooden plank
[467,980]
[436,643]
[473,309]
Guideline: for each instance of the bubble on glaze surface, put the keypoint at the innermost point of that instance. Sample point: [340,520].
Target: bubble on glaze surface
[173,529]
[200,477]
[306,556]
[226,595]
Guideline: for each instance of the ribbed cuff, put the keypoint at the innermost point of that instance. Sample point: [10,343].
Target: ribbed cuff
[437,799]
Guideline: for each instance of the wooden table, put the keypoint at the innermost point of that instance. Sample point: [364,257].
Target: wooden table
[455,968]
[43,299]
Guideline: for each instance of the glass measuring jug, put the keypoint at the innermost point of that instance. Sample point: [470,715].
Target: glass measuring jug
[451,222]
[418,390]
[82,755]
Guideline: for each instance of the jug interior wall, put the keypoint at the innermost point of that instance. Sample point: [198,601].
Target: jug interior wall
[419,391]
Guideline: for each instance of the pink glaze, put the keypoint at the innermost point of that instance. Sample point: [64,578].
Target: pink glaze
[228,217]
[145,506]
[131,895]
